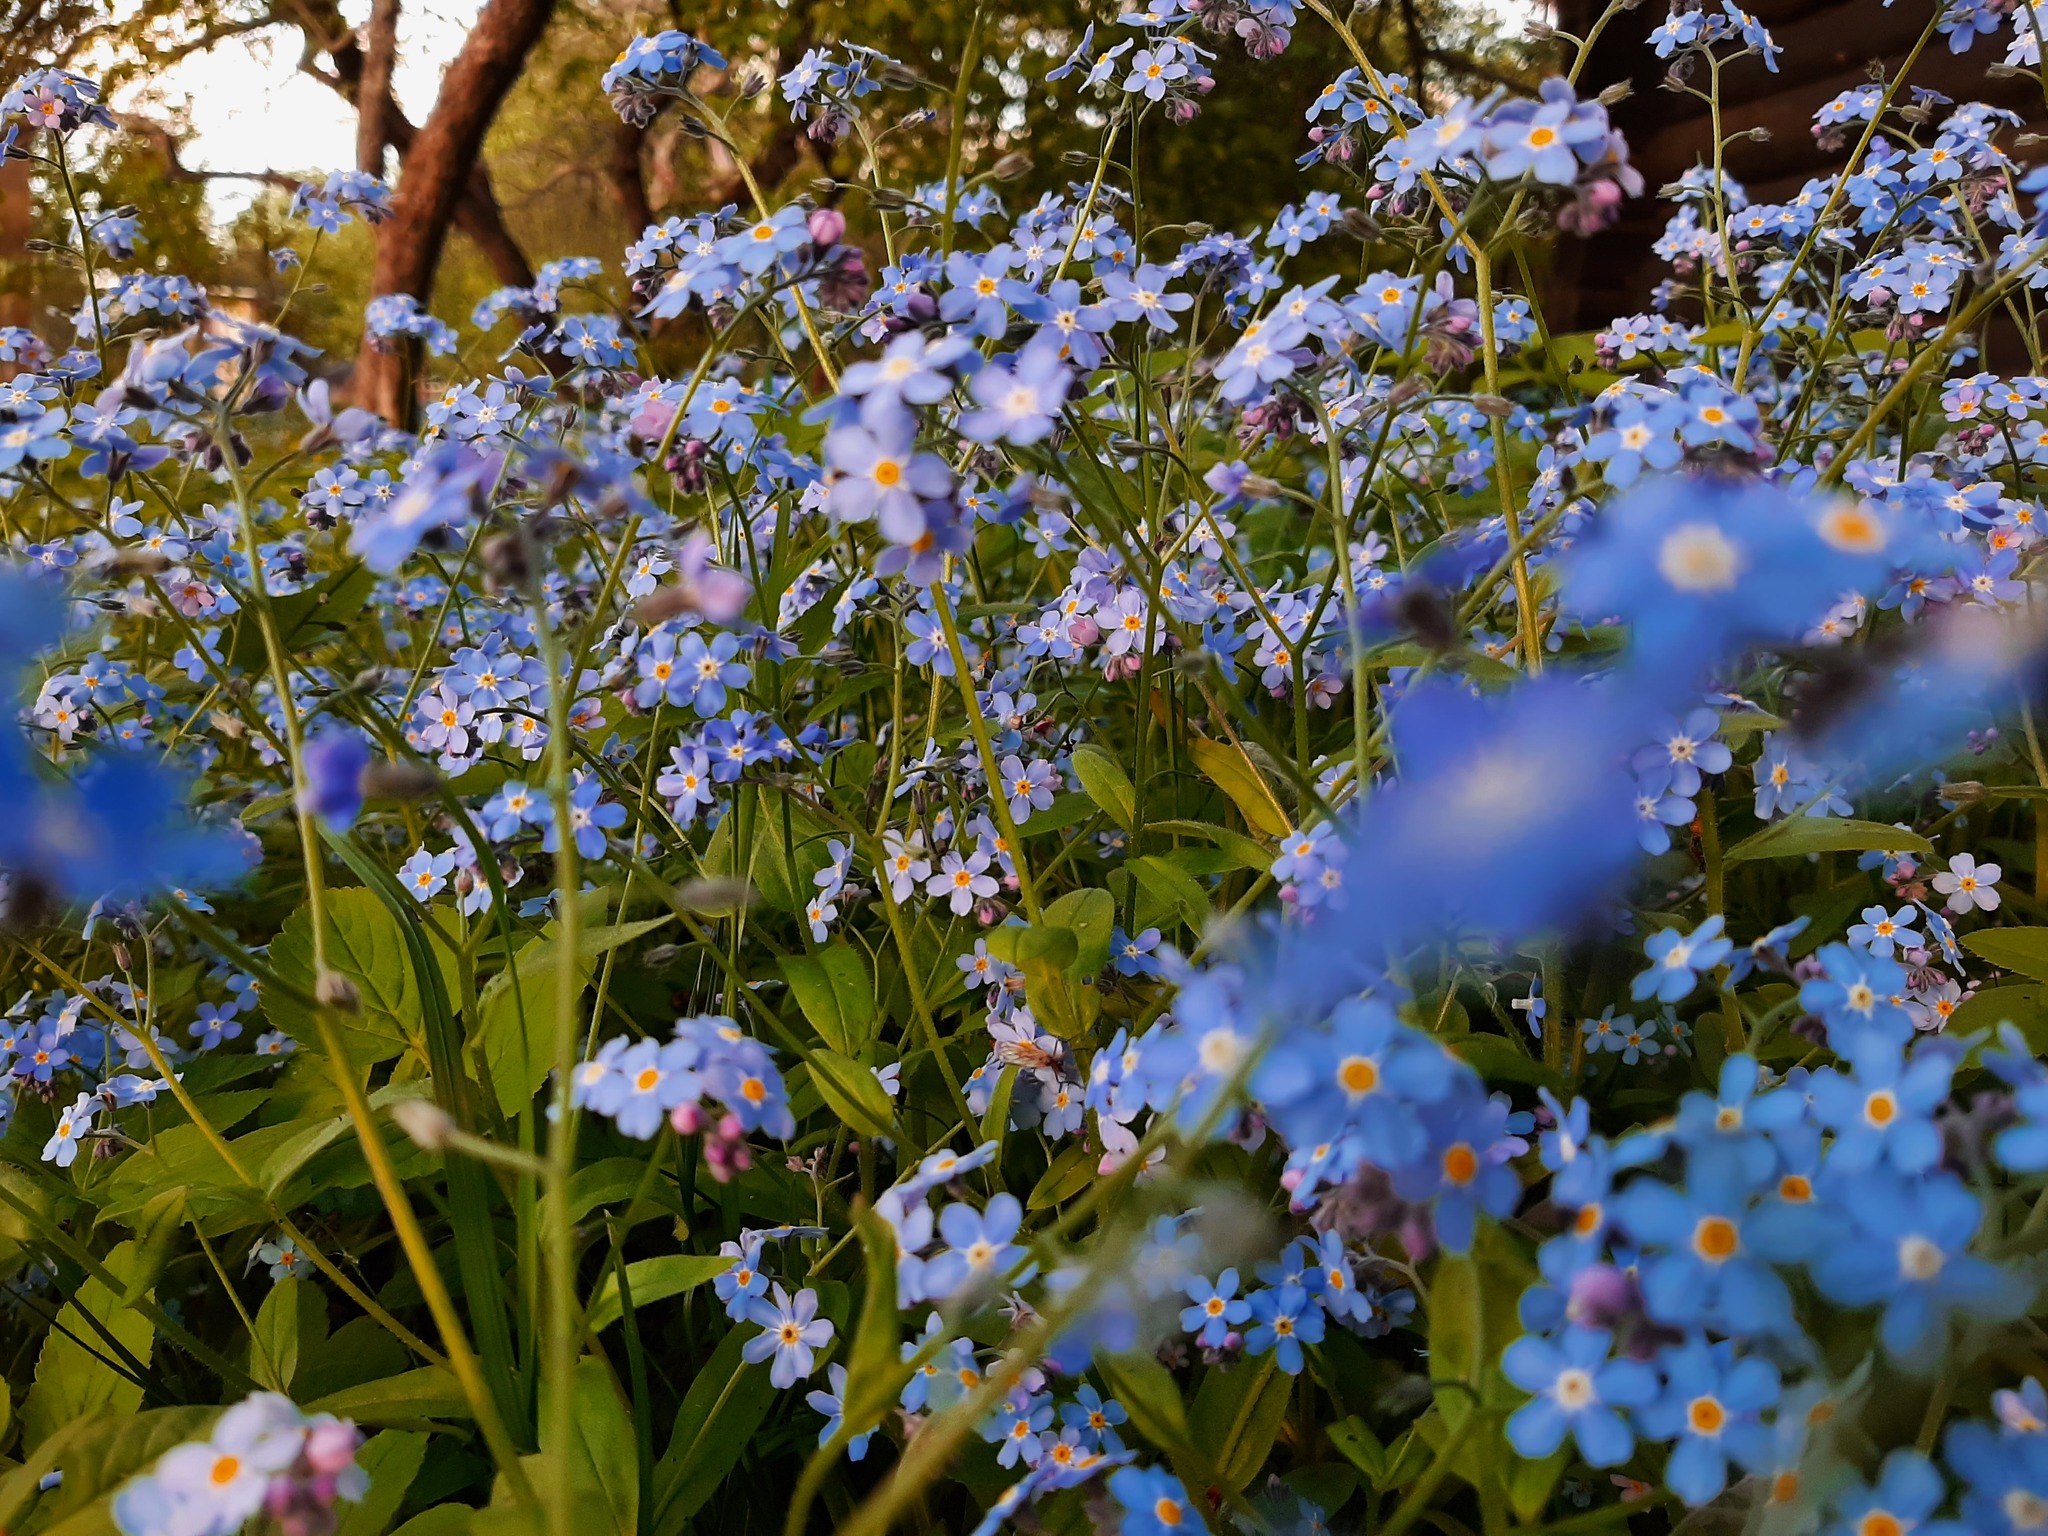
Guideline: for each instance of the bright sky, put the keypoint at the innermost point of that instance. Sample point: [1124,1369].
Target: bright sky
[251,109]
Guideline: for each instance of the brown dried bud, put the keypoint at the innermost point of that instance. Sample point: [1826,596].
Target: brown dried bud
[1014,166]
[1493,406]
[1615,94]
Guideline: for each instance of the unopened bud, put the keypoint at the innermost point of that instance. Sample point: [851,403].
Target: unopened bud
[827,226]
[1259,488]
[336,991]
[887,199]
[399,781]
[1615,94]
[1963,791]
[714,897]
[121,957]
[1759,135]
[426,1122]
[1359,225]
[134,562]
[660,957]
[1410,388]
[1493,406]
[507,560]
[1014,166]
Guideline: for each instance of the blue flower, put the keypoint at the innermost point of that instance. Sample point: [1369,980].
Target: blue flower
[1154,1502]
[1217,1309]
[334,762]
[1019,403]
[1908,1490]
[833,1405]
[791,1332]
[1707,1261]
[1857,994]
[1711,1405]
[979,1251]
[1285,1318]
[590,817]
[1677,960]
[1883,932]
[1096,1417]
[1578,1388]
[1884,1113]
[1905,1244]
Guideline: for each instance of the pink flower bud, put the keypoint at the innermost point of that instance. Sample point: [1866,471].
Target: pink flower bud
[828,226]
[331,1446]
[687,1118]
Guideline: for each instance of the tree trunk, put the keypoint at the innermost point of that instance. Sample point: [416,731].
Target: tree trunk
[435,171]
[624,180]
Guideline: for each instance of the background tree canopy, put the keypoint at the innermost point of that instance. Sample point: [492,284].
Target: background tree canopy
[562,176]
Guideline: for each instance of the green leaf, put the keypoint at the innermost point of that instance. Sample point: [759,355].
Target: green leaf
[365,944]
[1498,1059]
[655,1279]
[1050,958]
[73,1380]
[1071,1172]
[995,1120]
[1090,915]
[1531,1483]
[304,619]
[1175,894]
[1243,851]
[2026,1007]
[156,1237]
[598,1461]
[1328,1485]
[723,1408]
[852,1092]
[2012,949]
[1105,782]
[833,989]
[516,1024]
[1354,1438]
[430,1392]
[393,1459]
[1149,1394]
[274,1360]
[442,1520]
[98,1454]
[611,1181]
[875,1372]
[1230,770]
[1236,1416]
[1797,836]
[781,875]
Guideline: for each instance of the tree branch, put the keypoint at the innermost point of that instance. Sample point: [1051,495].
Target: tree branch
[160,138]
[374,103]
